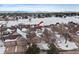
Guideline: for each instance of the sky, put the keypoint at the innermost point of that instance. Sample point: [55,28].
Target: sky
[39,7]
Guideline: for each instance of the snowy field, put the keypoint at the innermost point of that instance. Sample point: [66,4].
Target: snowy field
[46,21]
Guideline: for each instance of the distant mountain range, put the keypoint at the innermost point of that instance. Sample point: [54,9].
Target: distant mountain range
[24,12]
[37,12]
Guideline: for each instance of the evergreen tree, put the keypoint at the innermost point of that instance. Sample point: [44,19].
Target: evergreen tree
[33,50]
[53,49]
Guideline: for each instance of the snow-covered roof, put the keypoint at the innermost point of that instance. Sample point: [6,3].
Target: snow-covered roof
[38,33]
[57,35]
[60,41]
[21,33]
[24,29]
[49,29]
[11,23]
[9,30]
[8,40]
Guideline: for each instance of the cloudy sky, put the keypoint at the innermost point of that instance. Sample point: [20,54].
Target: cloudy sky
[39,7]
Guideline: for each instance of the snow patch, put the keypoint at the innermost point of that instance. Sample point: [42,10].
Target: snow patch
[43,46]
[2,48]
[65,46]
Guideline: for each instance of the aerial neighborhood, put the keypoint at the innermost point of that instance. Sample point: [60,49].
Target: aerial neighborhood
[39,33]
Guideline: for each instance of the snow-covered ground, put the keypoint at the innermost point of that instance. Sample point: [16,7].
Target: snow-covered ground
[46,21]
[2,48]
[43,46]
[65,46]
